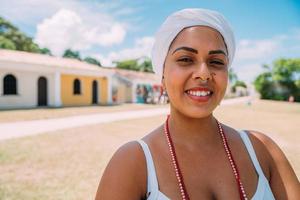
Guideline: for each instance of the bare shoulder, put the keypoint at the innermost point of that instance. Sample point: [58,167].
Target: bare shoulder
[125,175]
[283,180]
[263,144]
[261,138]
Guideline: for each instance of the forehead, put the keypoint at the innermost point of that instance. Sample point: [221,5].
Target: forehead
[199,37]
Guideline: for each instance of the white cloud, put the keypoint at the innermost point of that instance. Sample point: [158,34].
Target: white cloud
[33,11]
[104,60]
[248,71]
[68,29]
[142,48]
[98,23]
[255,49]
[252,54]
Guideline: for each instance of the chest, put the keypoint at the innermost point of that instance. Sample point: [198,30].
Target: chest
[206,175]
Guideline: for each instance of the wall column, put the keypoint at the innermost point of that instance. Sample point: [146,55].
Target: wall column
[57,89]
[133,96]
[109,90]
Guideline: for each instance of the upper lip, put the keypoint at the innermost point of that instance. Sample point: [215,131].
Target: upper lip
[199,89]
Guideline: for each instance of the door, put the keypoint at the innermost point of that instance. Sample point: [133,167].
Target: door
[42,91]
[95,92]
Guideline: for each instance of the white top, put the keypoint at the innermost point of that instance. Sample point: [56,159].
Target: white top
[263,191]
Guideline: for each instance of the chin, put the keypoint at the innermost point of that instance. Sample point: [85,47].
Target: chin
[194,108]
[196,113]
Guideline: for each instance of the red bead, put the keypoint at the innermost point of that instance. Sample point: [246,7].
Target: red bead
[184,194]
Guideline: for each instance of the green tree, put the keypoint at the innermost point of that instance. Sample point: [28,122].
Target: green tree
[128,64]
[263,84]
[71,54]
[45,51]
[12,38]
[232,76]
[234,81]
[146,66]
[92,61]
[6,26]
[238,83]
[280,81]
[6,43]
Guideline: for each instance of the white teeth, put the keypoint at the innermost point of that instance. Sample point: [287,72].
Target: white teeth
[199,93]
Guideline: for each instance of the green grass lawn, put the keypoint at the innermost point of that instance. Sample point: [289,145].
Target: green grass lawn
[67,164]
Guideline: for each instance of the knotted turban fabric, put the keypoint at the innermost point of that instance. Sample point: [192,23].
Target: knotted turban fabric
[179,20]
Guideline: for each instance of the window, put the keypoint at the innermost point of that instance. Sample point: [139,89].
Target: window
[9,85]
[76,87]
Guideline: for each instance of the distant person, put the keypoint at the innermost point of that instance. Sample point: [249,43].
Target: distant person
[193,155]
[145,94]
[139,94]
[291,99]
[156,94]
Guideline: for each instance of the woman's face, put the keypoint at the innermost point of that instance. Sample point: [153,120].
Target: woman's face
[195,71]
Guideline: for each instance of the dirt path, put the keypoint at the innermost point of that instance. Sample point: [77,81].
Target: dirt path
[32,127]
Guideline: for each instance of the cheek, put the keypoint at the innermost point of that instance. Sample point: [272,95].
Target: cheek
[174,81]
[221,79]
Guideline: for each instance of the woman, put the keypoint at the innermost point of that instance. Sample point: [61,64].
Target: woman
[192,155]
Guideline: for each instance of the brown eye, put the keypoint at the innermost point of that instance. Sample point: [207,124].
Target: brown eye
[216,62]
[185,60]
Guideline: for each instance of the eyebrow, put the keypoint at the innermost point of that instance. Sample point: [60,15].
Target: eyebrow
[219,51]
[186,49]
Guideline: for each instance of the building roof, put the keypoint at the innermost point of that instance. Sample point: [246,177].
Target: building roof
[46,60]
[140,77]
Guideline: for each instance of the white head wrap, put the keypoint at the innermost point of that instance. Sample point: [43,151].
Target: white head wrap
[187,18]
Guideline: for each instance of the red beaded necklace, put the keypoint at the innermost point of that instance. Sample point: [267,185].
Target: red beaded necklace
[182,188]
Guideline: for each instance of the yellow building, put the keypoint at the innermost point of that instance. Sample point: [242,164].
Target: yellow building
[83,90]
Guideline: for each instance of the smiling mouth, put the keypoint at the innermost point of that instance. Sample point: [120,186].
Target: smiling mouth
[199,93]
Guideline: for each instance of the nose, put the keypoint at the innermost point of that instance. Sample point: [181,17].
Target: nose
[202,73]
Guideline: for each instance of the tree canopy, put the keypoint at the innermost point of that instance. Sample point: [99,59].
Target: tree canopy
[234,81]
[280,80]
[146,65]
[232,76]
[69,53]
[134,64]
[12,38]
[92,61]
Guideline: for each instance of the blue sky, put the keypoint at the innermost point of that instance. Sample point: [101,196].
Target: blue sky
[113,30]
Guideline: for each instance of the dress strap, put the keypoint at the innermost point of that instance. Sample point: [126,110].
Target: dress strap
[152,184]
[251,152]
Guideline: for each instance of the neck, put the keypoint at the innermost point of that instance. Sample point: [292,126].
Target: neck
[192,132]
